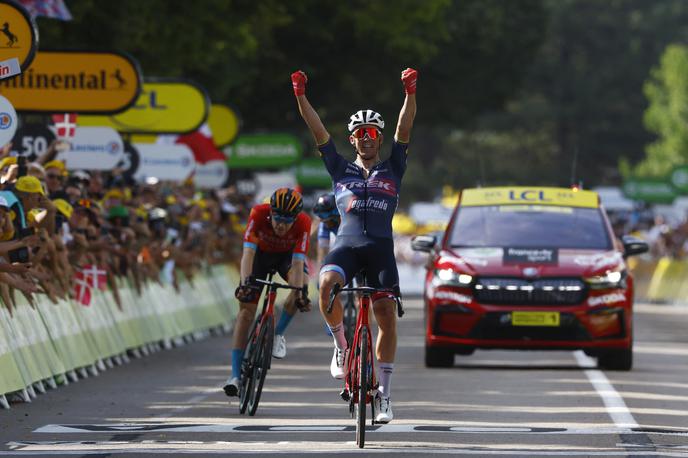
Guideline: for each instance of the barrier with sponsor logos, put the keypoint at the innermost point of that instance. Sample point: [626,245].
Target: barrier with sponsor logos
[47,342]
[661,280]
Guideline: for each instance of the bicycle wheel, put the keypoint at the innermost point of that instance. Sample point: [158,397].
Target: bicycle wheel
[362,388]
[246,378]
[262,364]
[350,315]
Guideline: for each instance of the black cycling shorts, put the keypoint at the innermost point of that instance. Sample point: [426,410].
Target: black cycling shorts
[373,255]
[264,262]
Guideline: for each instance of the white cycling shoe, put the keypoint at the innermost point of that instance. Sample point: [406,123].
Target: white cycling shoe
[383,408]
[279,347]
[338,364]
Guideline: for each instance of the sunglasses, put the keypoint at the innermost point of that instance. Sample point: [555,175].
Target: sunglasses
[53,176]
[372,133]
[283,219]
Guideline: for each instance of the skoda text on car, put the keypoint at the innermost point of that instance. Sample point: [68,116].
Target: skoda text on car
[529,268]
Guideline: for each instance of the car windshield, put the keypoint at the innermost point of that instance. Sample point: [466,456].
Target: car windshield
[530,226]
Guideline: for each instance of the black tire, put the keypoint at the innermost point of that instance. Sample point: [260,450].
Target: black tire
[616,360]
[350,316]
[363,387]
[246,378]
[438,357]
[262,365]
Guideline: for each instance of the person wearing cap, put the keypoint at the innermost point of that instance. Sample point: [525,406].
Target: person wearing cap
[55,174]
[30,192]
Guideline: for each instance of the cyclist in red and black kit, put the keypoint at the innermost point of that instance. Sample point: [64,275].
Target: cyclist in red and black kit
[367,193]
[276,238]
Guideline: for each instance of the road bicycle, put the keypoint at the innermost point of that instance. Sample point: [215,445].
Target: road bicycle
[258,355]
[360,384]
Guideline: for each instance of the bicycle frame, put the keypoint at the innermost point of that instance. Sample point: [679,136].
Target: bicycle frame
[351,383]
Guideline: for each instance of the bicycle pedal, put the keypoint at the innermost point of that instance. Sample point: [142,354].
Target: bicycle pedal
[345,395]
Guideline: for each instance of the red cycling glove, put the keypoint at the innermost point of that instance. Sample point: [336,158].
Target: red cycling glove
[298,81]
[408,77]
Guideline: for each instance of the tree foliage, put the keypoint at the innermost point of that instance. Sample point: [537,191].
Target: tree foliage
[667,113]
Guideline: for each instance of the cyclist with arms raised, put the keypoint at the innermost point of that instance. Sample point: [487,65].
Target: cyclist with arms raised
[277,236]
[367,194]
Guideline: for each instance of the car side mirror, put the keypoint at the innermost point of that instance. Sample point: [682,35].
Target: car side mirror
[424,243]
[633,245]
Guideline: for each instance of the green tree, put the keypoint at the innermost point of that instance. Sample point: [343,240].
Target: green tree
[667,113]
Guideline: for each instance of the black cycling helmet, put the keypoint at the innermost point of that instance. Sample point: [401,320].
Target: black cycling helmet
[286,202]
[326,206]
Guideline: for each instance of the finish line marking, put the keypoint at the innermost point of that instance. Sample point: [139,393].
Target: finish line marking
[82,448]
[127,428]
[616,407]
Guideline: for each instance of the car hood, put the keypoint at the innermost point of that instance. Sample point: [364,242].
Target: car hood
[519,262]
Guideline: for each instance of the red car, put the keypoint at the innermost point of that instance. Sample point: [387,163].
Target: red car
[529,268]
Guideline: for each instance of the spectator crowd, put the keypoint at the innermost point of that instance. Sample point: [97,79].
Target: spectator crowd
[63,231]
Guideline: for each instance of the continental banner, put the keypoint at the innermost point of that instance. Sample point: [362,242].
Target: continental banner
[73,81]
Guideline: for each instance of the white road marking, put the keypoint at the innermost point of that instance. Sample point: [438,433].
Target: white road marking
[616,407]
[315,448]
[390,429]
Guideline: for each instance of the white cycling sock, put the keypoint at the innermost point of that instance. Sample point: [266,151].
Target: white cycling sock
[386,370]
[338,335]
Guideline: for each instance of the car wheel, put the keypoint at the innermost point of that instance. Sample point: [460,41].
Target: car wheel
[616,360]
[439,357]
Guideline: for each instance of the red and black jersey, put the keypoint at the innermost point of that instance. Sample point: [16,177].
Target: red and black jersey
[260,234]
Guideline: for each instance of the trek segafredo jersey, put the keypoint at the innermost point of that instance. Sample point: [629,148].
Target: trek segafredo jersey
[366,206]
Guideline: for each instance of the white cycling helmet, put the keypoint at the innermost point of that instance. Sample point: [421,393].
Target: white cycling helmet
[362,117]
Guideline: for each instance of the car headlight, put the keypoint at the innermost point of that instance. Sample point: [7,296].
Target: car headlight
[610,280]
[449,277]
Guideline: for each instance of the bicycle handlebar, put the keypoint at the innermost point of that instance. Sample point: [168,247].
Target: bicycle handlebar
[337,288]
[274,284]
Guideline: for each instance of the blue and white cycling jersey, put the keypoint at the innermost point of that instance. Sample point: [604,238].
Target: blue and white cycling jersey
[325,233]
[367,205]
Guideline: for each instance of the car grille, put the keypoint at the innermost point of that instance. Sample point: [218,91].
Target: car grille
[518,291]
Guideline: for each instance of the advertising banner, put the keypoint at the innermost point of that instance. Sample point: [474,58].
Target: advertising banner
[224,124]
[651,190]
[163,107]
[679,179]
[72,81]
[8,121]
[212,174]
[164,162]
[264,151]
[311,172]
[94,148]
[19,38]
[32,140]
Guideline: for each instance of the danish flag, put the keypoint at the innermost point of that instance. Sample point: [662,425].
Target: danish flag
[89,278]
[65,125]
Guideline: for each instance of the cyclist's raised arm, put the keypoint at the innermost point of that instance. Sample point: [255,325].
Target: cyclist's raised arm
[298,79]
[408,110]
[302,226]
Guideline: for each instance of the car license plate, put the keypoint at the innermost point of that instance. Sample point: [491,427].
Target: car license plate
[535,318]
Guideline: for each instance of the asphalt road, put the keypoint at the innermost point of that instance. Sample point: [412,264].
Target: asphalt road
[491,403]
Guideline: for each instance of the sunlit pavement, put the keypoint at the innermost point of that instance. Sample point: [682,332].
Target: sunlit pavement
[491,403]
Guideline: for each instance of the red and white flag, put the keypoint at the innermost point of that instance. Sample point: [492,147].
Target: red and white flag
[202,144]
[82,289]
[96,277]
[65,125]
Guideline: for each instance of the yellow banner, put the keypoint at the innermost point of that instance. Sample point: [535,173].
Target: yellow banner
[164,107]
[19,38]
[521,195]
[224,124]
[72,81]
